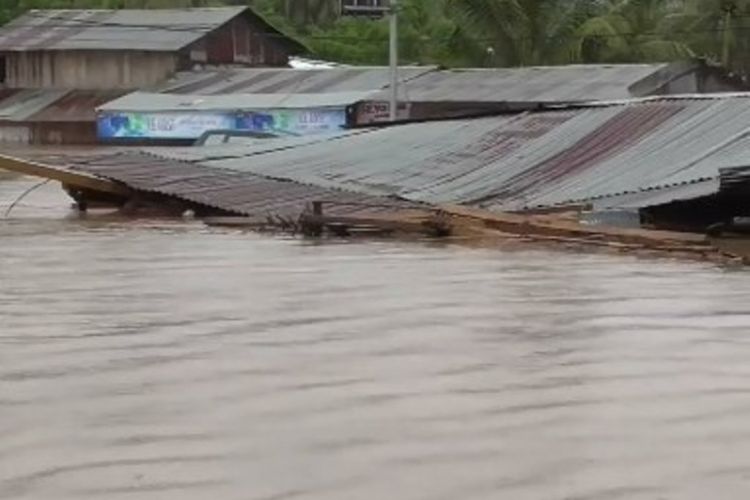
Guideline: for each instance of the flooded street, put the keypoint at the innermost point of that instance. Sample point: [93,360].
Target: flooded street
[166,360]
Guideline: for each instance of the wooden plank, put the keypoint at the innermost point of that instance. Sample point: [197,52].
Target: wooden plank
[64,175]
[540,225]
[356,223]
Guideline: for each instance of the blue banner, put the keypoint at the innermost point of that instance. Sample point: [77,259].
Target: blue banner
[172,125]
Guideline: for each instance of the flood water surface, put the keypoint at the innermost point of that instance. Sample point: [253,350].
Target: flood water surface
[164,360]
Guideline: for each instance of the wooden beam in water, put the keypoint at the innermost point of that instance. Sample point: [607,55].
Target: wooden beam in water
[64,175]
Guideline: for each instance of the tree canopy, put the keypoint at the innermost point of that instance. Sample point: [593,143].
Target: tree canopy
[528,32]
[496,32]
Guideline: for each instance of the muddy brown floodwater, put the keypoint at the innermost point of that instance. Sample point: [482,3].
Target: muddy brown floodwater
[164,360]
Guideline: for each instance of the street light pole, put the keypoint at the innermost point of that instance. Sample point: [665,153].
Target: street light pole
[394,60]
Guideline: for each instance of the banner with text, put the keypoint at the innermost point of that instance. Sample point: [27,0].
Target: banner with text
[160,125]
[292,121]
[130,125]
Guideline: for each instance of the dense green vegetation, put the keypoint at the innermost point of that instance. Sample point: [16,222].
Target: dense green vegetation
[498,32]
[529,32]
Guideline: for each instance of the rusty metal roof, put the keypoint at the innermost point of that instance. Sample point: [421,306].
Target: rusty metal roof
[543,84]
[127,29]
[75,106]
[53,105]
[19,105]
[241,193]
[532,160]
[281,80]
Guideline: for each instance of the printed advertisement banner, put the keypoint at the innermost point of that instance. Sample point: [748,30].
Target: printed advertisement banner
[160,125]
[292,121]
[128,125]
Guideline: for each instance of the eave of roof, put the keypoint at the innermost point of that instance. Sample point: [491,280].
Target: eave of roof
[154,30]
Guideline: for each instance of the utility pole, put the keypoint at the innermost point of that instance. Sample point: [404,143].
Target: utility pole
[378,8]
[394,60]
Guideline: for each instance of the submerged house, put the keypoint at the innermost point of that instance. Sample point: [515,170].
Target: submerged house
[174,119]
[677,163]
[326,100]
[673,162]
[670,162]
[88,57]
[472,92]
[274,101]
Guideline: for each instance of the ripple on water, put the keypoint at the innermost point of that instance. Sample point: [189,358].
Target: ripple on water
[162,360]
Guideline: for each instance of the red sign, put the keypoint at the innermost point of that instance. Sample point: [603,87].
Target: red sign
[380,111]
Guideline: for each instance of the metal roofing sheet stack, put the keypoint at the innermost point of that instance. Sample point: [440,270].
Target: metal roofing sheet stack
[276,80]
[129,29]
[524,161]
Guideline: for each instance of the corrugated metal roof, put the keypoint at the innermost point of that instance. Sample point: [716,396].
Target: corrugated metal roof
[547,84]
[244,149]
[518,162]
[126,29]
[19,105]
[279,80]
[75,106]
[659,196]
[53,105]
[237,192]
[151,102]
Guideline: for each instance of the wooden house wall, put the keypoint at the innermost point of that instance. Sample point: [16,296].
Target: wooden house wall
[238,42]
[88,70]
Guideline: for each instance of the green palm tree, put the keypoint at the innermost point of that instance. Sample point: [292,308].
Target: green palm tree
[424,36]
[520,32]
[307,13]
[718,29]
[632,31]
[9,10]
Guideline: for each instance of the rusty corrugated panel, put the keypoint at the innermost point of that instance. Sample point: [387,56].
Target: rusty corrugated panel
[5,93]
[53,106]
[617,134]
[689,148]
[20,105]
[64,133]
[435,162]
[238,192]
[76,106]
[532,160]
